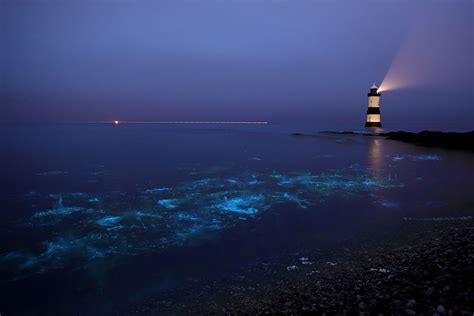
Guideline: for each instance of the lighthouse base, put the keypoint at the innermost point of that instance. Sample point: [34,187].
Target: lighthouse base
[373,124]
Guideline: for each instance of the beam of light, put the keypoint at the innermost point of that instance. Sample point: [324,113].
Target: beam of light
[432,53]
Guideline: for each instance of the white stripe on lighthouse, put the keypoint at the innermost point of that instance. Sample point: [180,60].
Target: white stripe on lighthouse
[374,101]
[373,118]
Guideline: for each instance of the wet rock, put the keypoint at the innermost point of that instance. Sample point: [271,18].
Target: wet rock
[411,303]
[429,291]
[440,309]
[291,268]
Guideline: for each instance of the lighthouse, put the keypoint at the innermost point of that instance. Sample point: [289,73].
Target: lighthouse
[373,111]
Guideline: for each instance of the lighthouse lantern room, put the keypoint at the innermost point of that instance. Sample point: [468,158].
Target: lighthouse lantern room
[373,111]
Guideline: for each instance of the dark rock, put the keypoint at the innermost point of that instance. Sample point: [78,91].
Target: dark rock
[464,141]
[436,139]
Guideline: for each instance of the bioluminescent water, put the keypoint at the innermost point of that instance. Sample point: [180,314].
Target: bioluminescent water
[97,218]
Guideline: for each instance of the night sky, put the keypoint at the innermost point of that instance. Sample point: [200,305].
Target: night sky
[308,62]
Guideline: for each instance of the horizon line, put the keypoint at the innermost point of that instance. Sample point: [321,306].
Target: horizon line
[180,122]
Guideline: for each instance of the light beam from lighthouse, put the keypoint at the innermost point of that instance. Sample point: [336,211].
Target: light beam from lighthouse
[373,111]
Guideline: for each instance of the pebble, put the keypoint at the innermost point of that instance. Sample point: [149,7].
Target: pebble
[441,309]
[429,291]
[411,304]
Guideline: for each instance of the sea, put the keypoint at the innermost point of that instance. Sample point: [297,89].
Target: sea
[97,219]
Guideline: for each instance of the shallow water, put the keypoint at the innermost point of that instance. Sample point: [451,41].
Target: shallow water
[99,217]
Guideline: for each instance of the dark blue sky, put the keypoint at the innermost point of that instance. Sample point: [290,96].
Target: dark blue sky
[281,61]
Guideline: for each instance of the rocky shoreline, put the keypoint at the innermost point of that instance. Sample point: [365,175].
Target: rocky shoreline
[430,274]
[426,269]
[463,141]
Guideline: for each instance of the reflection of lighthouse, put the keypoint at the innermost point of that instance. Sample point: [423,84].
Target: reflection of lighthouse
[373,111]
[375,156]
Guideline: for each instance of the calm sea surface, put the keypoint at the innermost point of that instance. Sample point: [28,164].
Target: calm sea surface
[95,218]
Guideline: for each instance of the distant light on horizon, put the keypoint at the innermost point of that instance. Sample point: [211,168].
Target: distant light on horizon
[116,122]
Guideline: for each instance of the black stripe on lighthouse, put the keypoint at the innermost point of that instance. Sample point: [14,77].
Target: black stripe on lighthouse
[373,110]
[373,124]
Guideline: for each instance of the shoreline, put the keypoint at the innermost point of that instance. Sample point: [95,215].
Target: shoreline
[450,140]
[426,268]
[430,271]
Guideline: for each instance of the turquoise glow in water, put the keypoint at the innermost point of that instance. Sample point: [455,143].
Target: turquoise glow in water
[182,212]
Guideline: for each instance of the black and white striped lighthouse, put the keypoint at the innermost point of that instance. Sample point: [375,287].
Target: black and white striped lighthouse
[373,111]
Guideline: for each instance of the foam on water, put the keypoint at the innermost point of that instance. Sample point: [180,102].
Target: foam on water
[293,198]
[440,219]
[156,190]
[243,204]
[427,157]
[390,204]
[52,173]
[59,211]
[187,217]
[431,157]
[168,203]
[109,220]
